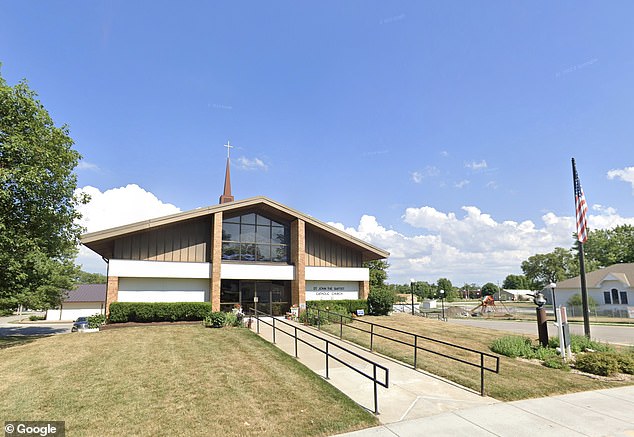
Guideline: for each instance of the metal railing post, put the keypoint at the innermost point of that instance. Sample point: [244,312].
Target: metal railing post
[376,394]
[340,326]
[257,318]
[327,354]
[296,342]
[318,319]
[415,350]
[273,330]
[372,337]
[481,374]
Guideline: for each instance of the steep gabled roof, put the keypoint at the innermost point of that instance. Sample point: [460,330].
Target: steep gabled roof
[98,240]
[620,272]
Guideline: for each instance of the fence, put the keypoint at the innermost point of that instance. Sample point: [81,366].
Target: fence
[416,346]
[329,345]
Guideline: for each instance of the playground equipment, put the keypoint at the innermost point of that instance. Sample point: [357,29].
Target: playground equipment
[488,306]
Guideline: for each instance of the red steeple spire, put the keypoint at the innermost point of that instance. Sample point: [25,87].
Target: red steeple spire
[226,194]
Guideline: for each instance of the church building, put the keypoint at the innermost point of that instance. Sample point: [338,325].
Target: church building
[229,254]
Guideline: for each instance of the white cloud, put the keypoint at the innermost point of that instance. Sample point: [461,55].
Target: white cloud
[473,247]
[444,153]
[476,165]
[116,207]
[417,177]
[461,184]
[85,165]
[428,172]
[251,164]
[492,184]
[626,174]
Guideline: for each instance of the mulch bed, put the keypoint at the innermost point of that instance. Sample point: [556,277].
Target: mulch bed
[134,324]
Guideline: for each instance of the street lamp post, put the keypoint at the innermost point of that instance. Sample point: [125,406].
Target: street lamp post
[552,286]
[542,327]
[411,283]
[442,299]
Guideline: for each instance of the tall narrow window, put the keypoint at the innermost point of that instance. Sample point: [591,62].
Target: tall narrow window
[615,296]
[606,298]
[624,298]
[253,237]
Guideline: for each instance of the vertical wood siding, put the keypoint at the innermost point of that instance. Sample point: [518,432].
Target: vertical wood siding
[322,251]
[185,242]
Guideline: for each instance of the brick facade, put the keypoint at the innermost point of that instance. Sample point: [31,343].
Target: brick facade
[298,259]
[216,259]
[112,291]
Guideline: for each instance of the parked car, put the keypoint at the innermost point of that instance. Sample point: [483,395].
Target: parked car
[80,323]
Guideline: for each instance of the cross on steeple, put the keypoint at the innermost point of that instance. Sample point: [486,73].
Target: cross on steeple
[226,195]
[229,147]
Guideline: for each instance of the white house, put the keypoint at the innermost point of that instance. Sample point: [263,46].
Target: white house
[611,288]
[84,301]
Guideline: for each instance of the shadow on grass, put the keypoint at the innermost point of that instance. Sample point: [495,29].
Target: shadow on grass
[18,340]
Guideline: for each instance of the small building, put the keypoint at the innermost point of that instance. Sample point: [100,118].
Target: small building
[513,295]
[611,288]
[237,252]
[84,301]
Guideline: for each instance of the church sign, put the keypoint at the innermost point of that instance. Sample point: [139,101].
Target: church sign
[331,290]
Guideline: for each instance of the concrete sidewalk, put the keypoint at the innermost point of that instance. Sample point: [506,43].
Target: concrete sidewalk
[411,394]
[596,413]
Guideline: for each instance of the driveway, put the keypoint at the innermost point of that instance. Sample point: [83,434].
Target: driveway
[9,326]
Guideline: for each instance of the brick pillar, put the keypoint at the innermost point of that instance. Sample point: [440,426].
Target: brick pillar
[112,292]
[216,259]
[298,258]
[364,289]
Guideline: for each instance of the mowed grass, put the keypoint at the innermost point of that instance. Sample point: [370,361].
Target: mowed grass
[168,381]
[518,379]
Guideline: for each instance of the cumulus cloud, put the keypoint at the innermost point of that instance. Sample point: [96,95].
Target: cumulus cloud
[251,164]
[626,174]
[461,184]
[473,165]
[85,165]
[471,246]
[116,207]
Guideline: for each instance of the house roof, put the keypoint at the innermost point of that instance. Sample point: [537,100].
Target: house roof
[87,293]
[620,272]
[97,241]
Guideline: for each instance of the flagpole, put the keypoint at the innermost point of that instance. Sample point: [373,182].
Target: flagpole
[582,266]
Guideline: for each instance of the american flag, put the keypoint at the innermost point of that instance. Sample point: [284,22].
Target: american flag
[582,209]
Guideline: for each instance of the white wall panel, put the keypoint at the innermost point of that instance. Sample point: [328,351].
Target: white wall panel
[163,290]
[337,274]
[257,271]
[72,310]
[158,269]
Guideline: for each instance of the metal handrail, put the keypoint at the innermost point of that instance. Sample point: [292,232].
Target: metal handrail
[481,365]
[326,352]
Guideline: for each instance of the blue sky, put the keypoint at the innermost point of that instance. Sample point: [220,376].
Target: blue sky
[441,131]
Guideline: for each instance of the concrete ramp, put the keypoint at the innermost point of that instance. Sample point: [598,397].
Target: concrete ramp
[411,394]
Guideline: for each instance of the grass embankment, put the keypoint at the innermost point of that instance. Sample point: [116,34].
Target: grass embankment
[170,380]
[518,379]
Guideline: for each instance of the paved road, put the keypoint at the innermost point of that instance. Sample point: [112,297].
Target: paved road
[8,328]
[610,334]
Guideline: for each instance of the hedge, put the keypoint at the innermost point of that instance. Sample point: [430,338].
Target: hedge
[351,305]
[121,312]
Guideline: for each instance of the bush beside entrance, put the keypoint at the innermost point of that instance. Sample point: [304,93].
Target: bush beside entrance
[144,312]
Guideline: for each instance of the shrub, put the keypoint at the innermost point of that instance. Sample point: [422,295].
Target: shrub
[33,318]
[311,318]
[380,301]
[626,363]
[581,343]
[513,346]
[556,362]
[217,319]
[96,321]
[121,312]
[351,305]
[597,363]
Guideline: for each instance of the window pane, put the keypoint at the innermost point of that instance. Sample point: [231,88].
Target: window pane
[247,234]
[230,294]
[231,220]
[606,297]
[263,234]
[263,252]
[263,221]
[615,296]
[230,232]
[624,298]
[279,235]
[247,252]
[230,251]
[248,219]
[279,253]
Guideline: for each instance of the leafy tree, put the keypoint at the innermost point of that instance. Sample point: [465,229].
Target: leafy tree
[38,232]
[380,301]
[577,301]
[516,282]
[544,268]
[445,284]
[378,273]
[91,278]
[424,290]
[610,246]
[489,289]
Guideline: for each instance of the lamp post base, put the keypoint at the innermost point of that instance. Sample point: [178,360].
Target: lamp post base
[542,327]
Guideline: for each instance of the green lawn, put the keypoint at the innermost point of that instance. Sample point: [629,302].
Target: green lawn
[168,381]
[518,379]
